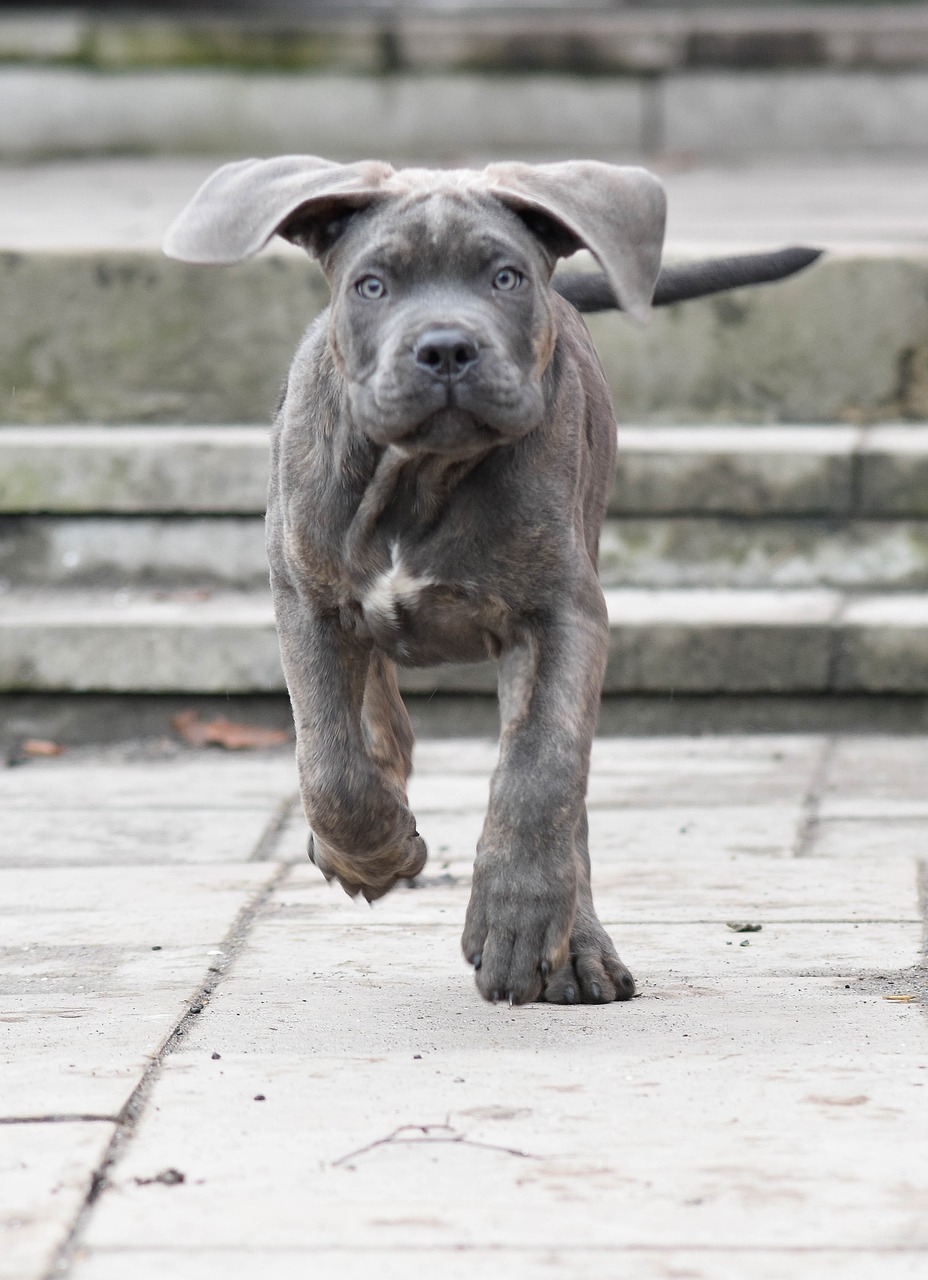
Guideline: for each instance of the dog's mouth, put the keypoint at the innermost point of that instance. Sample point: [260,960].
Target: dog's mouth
[452,432]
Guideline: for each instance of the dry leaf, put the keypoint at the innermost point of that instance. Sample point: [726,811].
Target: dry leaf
[41,747]
[900,999]
[225,733]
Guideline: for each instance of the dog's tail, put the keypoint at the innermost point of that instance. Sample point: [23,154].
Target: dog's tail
[593,292]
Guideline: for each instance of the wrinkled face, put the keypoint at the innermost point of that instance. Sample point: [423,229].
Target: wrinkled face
[441,322]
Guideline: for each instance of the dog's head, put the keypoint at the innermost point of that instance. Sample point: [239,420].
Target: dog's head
[441,318]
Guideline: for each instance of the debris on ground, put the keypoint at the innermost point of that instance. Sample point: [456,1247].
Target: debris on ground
[225,733]
[41,747]
[167,1178]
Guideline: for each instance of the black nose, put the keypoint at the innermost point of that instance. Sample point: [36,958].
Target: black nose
[446,353]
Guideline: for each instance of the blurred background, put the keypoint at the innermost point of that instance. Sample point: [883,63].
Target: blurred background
[766,554]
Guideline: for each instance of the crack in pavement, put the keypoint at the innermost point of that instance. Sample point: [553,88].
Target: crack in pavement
[130,1116]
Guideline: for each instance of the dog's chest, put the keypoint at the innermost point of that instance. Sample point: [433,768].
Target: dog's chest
[419,619]
[394,591]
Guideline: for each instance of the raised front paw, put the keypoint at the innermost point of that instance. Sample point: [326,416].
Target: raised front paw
[517,932]
[372,872]
[593,972]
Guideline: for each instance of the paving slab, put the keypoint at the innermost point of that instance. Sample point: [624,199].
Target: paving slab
[581,1261]
[532,1155]
[878,768]
[98,965]
[32,838]
[886,838]
[340,1097]
[46,1171]
[652,834]
[165,778]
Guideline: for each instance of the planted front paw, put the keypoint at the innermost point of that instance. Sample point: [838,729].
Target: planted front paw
[593,972]
[371,873]
[517,934]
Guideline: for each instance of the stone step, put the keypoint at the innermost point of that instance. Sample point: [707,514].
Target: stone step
[758,507]
[856,555]
[117,336]
[227,552]
[662,642]
[715,81]
[822,471]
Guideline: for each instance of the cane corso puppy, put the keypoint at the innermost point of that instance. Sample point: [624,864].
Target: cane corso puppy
[443,455]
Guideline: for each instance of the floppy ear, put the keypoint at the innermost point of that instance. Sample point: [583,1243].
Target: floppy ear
[239,208]
[617,212]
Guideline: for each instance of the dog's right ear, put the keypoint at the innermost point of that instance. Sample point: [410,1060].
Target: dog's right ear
[241,206]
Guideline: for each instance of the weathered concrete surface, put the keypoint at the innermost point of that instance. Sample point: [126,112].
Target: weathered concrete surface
[134,337]
[756,553]
[693,506]
[340,1096]
[736,470]
[135,469]
[842,205]
[119,336]
[590,38]
[460,1263]
[46,1171]
[174,554]
[52,113]
[661,641]
[219,552]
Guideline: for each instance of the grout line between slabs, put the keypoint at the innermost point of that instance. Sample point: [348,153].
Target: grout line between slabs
[270,837]
[922,874]
[575,1246]
[76,1118]
[812,800]
[130,1116]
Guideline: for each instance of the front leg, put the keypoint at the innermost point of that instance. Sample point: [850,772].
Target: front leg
[363,833]
[524,902]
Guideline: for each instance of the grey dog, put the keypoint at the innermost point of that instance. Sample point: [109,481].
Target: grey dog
[442,458]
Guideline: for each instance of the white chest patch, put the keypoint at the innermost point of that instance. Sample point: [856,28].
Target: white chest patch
[394,588]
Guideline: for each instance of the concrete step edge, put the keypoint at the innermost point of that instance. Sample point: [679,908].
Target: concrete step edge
[825,470]
[213,552]
[813,641]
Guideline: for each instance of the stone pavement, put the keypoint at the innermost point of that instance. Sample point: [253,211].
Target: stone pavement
[215,1065]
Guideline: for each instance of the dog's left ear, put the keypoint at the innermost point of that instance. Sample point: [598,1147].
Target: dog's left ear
[618,213]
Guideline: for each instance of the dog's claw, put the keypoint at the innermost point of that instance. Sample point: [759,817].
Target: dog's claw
[625,987]
[545,969]
[477,960]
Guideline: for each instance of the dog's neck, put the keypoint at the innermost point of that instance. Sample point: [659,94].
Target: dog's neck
[404,493]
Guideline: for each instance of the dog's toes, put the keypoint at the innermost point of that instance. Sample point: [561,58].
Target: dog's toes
[371,874]
[509,966]
[594,974]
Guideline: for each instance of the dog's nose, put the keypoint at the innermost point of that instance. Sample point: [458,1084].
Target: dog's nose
[446,353]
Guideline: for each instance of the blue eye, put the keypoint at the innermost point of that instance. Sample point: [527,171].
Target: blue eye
[371,288]
[507,279]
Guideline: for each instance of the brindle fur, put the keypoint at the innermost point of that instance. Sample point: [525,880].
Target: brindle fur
[419,515]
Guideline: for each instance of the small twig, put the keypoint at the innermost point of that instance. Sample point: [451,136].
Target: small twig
[426,1130]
